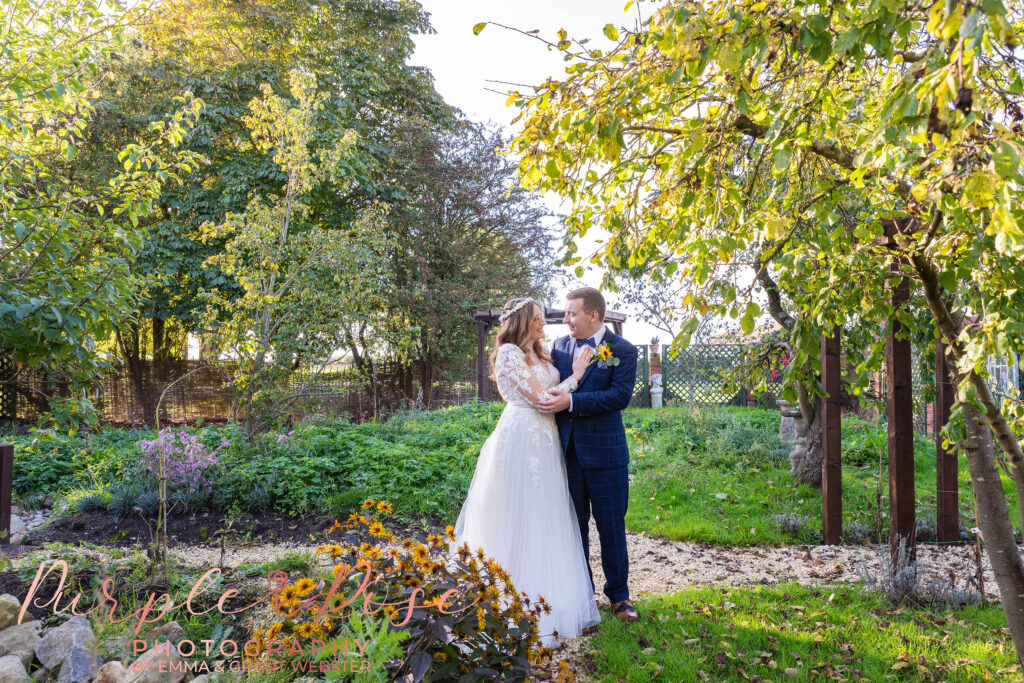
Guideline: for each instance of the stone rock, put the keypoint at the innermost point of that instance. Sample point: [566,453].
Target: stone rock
[59,643]
[17,538]
[112,672]
[12,670]
[10,606]
[157,665]
[201,679]
[17,524]
[50,499]
[20,640]
[172,631]
[79,666]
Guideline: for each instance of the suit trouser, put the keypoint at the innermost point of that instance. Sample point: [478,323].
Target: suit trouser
[605,493]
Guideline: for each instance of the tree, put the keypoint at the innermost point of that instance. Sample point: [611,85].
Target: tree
[465,237]
[658,302]
[68,249]
[823,145]
[302,281]
[358,51]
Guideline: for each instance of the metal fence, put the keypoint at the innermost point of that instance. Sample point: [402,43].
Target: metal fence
[128,395]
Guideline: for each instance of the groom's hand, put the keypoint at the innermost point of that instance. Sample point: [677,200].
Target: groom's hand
[558,402]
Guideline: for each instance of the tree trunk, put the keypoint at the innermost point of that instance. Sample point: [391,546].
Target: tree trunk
[989,500]
[994,522]
[159,340]
[806,455]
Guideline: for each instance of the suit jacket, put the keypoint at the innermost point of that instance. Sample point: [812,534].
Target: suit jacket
[595,423]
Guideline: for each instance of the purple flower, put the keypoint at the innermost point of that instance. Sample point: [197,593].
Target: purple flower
[187,464]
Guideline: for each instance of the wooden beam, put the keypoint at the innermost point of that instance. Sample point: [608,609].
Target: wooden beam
[481,360]
[947,504]
[6,478]
[831,438]
[900,415]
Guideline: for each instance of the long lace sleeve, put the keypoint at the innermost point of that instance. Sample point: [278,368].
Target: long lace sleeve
[516,382]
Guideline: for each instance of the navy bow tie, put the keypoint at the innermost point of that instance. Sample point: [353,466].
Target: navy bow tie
[589,341]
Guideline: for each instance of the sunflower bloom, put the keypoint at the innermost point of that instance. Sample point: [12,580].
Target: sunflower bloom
[420,553]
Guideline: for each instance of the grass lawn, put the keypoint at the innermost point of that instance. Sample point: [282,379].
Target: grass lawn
[792,632]
[722,476]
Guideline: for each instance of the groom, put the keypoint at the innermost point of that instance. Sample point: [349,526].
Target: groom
[593,438]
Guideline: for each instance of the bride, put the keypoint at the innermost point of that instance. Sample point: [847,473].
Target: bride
[518,507]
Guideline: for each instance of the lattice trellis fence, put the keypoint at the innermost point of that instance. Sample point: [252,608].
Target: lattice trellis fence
[642,390]
[696,376]
[8,397]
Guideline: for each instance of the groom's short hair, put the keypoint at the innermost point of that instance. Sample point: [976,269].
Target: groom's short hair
[592,300]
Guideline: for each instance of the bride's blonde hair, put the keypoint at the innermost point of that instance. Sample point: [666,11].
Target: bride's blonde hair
[515,329]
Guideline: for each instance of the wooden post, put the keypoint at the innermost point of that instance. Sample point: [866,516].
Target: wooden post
[481,361]
[947,506]
[900,409]
[6,474]
[831,441]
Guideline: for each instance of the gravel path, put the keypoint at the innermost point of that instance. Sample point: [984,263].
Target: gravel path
[659,566]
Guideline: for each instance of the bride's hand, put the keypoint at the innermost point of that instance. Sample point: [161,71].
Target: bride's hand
[581,362]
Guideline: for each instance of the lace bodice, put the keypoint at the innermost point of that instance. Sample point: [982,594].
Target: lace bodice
[523,384]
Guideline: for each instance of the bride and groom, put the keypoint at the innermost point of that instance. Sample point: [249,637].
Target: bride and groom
[557,455]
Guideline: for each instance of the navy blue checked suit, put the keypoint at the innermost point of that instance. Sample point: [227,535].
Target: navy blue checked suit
[596,454]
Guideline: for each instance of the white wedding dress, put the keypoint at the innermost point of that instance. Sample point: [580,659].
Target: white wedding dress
[518,507]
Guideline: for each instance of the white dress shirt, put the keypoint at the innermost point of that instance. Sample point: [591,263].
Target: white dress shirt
[598,338]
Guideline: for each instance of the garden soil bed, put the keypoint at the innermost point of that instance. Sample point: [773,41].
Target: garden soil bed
[207,529]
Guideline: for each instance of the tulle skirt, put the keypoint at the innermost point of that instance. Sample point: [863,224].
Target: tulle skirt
[519,511]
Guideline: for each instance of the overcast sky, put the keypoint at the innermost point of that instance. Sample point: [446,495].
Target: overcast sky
[466,66]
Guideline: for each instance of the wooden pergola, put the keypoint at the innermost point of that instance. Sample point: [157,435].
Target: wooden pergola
[900,422]
[487,319]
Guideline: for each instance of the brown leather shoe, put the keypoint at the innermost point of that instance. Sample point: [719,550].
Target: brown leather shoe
[625,611]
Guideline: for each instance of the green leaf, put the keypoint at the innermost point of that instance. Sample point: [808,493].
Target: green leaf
[747,322]
[1006,160]
[674,77]
[782,159]
[847,40]
[979,191]
[611,32]
[479,27]
[552,169]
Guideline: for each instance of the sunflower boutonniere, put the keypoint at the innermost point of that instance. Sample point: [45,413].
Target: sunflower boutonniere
[603,357]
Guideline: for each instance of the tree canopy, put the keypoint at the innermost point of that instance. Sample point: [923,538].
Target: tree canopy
[68,249]
[819,146]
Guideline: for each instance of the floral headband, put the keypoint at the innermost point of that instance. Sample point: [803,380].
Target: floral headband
[509,313]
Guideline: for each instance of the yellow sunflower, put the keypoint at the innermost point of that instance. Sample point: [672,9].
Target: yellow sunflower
[304,630]
[304,587]
[369,504]
[420,553]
